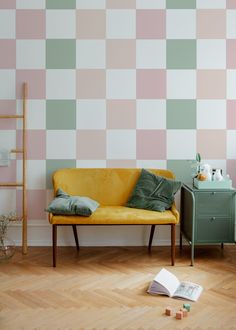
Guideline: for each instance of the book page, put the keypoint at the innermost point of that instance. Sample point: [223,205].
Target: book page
[188,290]
[157,288]
[167,280]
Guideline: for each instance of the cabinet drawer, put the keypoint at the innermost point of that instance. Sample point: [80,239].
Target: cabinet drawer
[213,204]
[214,230]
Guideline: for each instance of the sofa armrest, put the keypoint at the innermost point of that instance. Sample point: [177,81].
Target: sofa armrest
[175,212]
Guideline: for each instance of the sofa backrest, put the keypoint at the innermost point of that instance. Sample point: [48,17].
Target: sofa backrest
[108,186]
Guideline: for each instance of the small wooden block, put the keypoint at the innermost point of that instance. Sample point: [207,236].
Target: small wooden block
[187,306]
[168,311]
[179,315]
[184,311]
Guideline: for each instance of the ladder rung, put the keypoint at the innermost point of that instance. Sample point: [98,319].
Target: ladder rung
[17,151]
[11,184]
[11,116]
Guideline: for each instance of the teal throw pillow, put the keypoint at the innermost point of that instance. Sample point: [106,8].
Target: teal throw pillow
[65,204]
[153,192]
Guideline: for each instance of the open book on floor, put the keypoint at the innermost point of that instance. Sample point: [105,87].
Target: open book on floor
[168,284]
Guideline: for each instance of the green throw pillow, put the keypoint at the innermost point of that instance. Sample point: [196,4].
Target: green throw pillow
[153,192]
[65,204]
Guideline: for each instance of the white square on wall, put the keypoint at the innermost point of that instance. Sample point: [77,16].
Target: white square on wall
[151,114]
[7,24]
[211,114]
[150,4]
[7,200]
[181,144]
[211,54]
[36,114]
[230,24]
[36,174]
[91,114]
[231,84]
[231,140]
[90,4]
[150,54]
[121,144]
[159,164]
[30,4]
[121,84]
[7,83]
[181,84]
[181,24]
[61,144]
[90,54]
[90,163]
[121,24]
[211,4]
[61,84]
[60,24]
[7,139]
[30,54]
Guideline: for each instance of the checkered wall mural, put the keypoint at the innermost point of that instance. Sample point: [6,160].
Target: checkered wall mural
[117,83]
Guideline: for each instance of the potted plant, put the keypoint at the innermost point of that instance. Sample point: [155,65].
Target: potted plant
[7,246]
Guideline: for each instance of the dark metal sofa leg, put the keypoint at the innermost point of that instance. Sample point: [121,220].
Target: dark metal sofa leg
[76,236]
[151,237]
[54,244]
[173,244]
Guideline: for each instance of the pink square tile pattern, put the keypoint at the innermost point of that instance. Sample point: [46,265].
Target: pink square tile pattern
[151,24]
[211,24]
[36,144]
[121,114]
[91,84]
[120,163]
[7,107]
[121,54]
[37,203]
[30,24]
[231,4]
[231,53]
[231,114]
[7,4]
[151,144]
[91,144]
[231,170]
[36,80]
[211,144]
[151,84]
[211,84]
[91,24]
[8,173]
[7,54]
[121,4]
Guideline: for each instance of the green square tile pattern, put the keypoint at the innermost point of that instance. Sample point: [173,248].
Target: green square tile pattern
[182,169]
[181,4]
[60,4]
[181,54]
[61,114]
[181,114]
[60,54]
[54,164]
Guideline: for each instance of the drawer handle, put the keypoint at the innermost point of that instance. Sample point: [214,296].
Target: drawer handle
[213,218]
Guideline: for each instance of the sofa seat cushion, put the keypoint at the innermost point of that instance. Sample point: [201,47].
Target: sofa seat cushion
[118,215]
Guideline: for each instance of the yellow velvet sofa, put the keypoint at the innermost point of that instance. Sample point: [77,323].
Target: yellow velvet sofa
[111,187]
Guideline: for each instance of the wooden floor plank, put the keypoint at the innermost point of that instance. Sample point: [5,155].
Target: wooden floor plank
[105,288]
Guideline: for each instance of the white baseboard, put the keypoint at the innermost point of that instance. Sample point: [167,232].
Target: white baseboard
[40,234]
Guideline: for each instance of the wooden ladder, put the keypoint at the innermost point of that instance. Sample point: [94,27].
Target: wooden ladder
[22,151]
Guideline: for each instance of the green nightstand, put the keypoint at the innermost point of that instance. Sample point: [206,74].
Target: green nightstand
[207,216]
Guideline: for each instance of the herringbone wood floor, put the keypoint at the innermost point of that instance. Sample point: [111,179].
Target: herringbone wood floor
[105,289]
